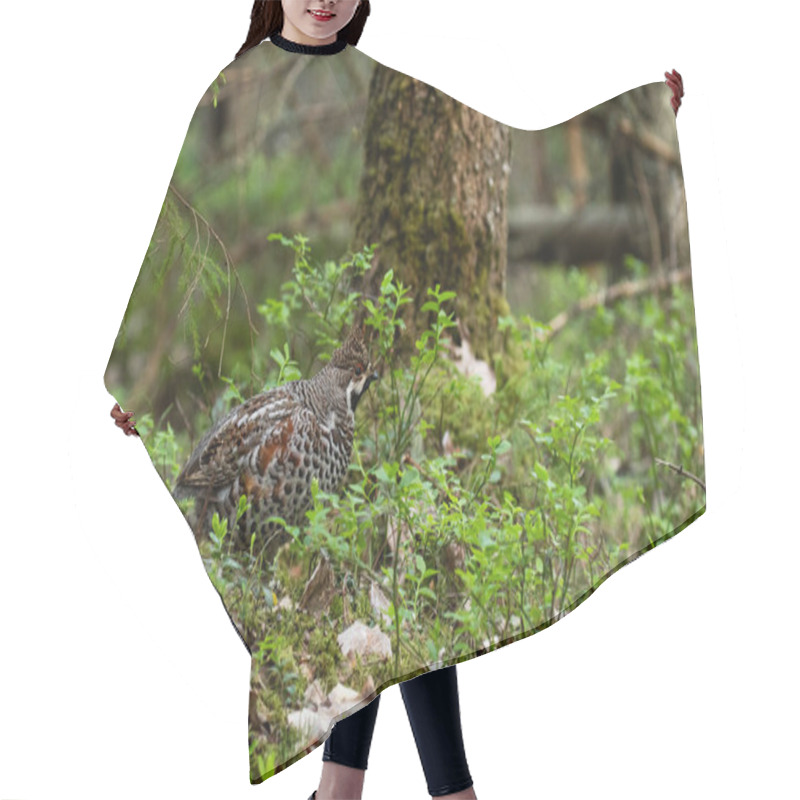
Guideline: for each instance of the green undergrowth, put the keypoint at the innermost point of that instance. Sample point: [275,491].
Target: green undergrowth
[480,518]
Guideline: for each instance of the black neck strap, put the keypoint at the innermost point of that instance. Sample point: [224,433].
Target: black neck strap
[311,49]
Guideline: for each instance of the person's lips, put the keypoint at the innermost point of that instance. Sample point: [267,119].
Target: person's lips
[321,15]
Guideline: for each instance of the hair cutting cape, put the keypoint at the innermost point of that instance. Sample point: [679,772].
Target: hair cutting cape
[521,302]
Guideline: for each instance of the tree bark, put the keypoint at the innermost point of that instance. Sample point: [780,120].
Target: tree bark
[643,169]
[433,196]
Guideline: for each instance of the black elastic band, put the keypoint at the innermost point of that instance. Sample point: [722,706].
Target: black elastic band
[311,49]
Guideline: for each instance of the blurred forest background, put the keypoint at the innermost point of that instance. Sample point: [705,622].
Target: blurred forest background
[590,203]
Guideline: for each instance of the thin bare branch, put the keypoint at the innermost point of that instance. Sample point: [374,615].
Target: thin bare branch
[230,268]
[681,471]
[618,291]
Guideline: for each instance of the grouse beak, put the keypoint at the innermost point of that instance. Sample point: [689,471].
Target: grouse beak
[370,378]
[355,394]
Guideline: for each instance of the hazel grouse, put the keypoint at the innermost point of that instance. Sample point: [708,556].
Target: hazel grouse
[270,447]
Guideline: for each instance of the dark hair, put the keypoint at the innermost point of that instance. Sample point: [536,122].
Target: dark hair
[266,18]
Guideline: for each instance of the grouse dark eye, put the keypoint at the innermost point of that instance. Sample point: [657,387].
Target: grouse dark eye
[359,370]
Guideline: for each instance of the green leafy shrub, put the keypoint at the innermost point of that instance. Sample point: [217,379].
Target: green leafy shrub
[546,486]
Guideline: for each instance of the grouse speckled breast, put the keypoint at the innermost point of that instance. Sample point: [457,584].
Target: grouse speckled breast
[272,446]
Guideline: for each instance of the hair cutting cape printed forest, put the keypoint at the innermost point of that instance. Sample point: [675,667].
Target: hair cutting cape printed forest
[418,380]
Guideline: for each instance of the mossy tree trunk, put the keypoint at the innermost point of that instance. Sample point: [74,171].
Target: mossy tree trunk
[433,195]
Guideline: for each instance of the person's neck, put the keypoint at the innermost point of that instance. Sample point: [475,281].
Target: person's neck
[294,34]
[335,46]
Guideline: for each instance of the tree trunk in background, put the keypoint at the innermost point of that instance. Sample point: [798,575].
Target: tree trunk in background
[643,172]
[433,195]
